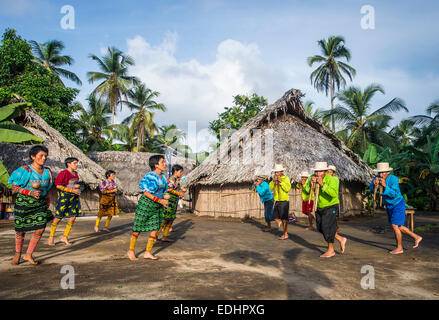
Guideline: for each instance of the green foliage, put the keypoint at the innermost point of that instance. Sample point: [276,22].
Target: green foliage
[19,74]
[12,132]
[234,117]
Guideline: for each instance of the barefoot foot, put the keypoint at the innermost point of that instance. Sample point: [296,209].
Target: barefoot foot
[343,244]
[28,257]
[284,237]
[66,241]
[51,242]
[328,254]
[96,229]
[148,255]
[310,228]
[166,239]
[16,259]
[131,255]
[396,251]
[417,241]
[106,229]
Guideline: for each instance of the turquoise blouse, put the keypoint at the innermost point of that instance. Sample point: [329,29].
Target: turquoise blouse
[25,177]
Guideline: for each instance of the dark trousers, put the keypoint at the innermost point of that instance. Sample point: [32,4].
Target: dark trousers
[281,209]
[268,210]
[326,222]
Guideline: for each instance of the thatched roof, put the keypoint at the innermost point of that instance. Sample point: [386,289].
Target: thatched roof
[130,167]
[14,155]
[298,142]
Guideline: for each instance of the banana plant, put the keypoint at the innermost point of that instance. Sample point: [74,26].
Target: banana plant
[12,132]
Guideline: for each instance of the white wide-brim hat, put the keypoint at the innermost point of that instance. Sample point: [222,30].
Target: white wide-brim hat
[333,168]
[278,167]
[304,174]
[261,176]
[382,167]
[320,166]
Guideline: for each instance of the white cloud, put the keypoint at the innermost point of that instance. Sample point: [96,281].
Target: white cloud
[194,91]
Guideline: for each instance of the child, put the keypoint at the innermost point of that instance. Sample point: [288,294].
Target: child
[149,211]
[68,205]
[175,193]
[108,204]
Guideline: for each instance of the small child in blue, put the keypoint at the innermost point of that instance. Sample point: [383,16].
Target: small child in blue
[395,204]
[263,189]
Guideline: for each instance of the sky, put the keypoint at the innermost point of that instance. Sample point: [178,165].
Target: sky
[200,53]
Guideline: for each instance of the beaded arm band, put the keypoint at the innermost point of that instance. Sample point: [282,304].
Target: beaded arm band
[174,192]
[65,189]
[17,189]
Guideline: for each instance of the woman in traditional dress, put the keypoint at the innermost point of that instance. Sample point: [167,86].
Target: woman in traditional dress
[149,211]
[68,205]
[31,213]
[175,193]
[108,204]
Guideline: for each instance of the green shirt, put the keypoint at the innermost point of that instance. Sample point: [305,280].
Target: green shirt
[328,193]
[305,194]
[284,188]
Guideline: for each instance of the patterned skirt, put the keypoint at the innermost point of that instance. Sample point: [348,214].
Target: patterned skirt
[31,214]
[169,213]
[149,215]
[68,205]
[108,205]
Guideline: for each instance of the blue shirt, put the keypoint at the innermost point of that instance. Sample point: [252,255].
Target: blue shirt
[264,192]
[391,193]
[154,184]
[25,177]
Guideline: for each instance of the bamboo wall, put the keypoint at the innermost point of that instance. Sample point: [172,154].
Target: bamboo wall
[238,201]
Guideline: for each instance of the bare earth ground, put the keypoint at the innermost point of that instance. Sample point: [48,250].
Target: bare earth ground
[224,259]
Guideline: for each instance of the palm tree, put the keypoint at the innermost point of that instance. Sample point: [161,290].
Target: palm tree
[315,113]
[404,133]
[48,55]
[171,136]
[329,74]
[142,118]
[125,135]
[362,125]
[431,120]
[94,121]
[114,77]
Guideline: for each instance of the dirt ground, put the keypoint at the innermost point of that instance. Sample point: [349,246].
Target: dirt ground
[224,259]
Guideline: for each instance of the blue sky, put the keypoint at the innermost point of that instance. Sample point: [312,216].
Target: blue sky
[198,54]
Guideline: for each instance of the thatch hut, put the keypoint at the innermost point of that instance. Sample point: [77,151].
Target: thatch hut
[282,133]
[90,173]
[130,167]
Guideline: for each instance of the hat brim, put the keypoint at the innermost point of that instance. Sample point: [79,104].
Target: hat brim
[278,170]
[320,169]
[378,171]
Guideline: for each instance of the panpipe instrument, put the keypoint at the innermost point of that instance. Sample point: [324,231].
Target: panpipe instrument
[378,188]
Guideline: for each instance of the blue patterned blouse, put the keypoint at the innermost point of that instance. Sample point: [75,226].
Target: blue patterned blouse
[24,177]
[154,184]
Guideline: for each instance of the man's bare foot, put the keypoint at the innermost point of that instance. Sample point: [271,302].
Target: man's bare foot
[28,257]
[328,254]
[267,229]
[106,229]
[343,244]
[171,230]
[16,259]
[166,239]
[50,241]
[131,255]
[417,241]
[310,228]
[66,241]
[396,251]
[283,237]
[96,229]
[148,255]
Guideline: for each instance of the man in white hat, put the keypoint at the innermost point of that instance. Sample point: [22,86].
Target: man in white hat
[395,204]
[263,189]
[281,185]
[327,207]
[332,170]
[307,203]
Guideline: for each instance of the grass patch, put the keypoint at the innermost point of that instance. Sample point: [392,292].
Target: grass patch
[428,228]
